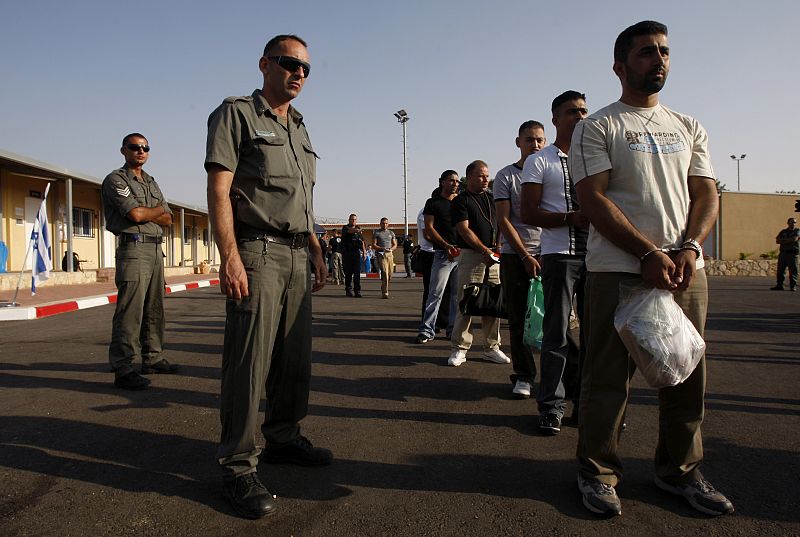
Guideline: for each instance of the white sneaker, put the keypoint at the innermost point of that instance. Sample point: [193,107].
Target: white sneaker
[522,389]
[497,356]
[457,357]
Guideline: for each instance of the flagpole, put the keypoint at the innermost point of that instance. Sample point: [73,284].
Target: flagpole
[13,303]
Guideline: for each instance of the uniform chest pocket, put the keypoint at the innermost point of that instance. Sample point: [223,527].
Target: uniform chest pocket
[311,160]
[138,193]
[273,157]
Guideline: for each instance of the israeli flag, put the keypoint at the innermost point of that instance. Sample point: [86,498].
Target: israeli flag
[42,263]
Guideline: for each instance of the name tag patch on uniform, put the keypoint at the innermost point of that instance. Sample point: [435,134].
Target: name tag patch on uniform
[268,134]
[124,192]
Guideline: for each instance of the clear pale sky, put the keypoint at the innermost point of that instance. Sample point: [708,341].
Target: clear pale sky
[77,76]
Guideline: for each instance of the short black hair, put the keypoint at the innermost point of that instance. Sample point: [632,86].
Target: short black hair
[278,39]
[530,124]
[569,95]
[474,164]
[133,135]
[446,174]
[624,42]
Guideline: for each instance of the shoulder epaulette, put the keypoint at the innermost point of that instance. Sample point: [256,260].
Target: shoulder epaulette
[244,98]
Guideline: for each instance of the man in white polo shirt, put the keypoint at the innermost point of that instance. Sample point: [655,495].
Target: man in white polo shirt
[644,178]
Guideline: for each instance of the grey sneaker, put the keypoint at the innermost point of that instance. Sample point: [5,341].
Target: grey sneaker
[701,495]
[550,424]
[522,389]
[599,498]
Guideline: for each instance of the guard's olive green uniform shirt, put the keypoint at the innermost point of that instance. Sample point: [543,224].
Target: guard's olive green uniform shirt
[274,166]
[123,192]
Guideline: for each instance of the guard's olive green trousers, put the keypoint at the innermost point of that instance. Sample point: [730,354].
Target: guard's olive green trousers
[138,325]
[267,346]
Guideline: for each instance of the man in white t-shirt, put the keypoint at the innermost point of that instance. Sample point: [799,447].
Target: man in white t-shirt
[644,178]
[519,250]
[549,201]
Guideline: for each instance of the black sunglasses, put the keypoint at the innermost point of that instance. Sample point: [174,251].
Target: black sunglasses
[291,64]
[136,147]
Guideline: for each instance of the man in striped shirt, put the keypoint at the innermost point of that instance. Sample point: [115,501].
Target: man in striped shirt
[549,201]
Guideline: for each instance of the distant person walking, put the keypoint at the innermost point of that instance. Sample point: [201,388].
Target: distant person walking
[135,211]
[335,248]
[787,257]
[353,254]
[384,244]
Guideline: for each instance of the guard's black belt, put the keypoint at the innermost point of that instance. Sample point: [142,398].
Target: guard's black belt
[138,237]
[296,241]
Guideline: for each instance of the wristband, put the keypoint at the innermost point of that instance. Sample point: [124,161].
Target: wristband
[641,259]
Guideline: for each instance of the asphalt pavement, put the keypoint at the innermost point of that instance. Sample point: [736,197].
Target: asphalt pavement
[421,448]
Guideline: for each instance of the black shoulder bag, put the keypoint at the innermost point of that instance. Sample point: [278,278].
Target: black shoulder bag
[484,298]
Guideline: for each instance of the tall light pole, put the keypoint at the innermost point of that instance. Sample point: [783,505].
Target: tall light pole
[402,118]
[738,176]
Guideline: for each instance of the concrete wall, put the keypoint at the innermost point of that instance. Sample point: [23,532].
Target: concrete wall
[749,222]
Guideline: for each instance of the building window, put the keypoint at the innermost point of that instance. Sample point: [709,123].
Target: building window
[82,222]
[205,237]
[187,235]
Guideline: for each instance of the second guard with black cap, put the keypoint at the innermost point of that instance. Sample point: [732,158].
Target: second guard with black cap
[135,210]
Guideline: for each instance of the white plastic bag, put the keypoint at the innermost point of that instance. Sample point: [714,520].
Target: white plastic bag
[662,341]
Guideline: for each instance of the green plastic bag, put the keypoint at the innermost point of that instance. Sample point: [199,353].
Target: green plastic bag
[535,314]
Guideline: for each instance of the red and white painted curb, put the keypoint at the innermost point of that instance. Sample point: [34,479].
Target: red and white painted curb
[54,308]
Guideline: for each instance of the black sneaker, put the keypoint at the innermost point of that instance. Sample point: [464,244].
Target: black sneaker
[599,498]
[776,288]
[348,293]
[422,338]
[300,452]
[162,366]
[131,381]
[249,497]
[701,495]
[358,294]
[550,424]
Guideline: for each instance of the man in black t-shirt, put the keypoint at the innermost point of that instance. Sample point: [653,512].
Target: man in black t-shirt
[408,248]
[353,253]
[473,216]
[439,231]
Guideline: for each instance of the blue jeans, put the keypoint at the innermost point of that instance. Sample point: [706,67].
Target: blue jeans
[563,278]
[440,274]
